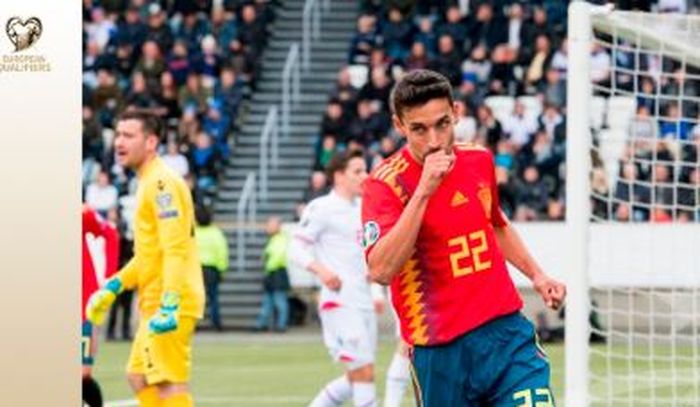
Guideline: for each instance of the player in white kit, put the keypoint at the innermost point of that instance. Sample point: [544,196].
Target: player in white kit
[329,244]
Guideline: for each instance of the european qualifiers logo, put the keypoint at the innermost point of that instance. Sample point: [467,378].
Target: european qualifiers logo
[24,34]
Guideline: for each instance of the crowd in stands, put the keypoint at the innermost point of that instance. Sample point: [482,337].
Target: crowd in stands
[188,61]
[507,61]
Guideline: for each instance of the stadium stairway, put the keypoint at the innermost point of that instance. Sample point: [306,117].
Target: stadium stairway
[240,290]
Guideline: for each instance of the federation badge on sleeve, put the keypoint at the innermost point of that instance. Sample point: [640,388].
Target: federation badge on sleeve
[484,195]
[164,200]
[370,234]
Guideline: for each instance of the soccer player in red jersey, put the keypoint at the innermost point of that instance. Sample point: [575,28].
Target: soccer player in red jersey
[434,231]
[94,225]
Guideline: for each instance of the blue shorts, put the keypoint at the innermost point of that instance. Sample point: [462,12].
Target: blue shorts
[499,364]
[86,345]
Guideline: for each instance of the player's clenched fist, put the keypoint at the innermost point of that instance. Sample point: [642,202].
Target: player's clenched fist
[98,305]
[435,166]
[553,292]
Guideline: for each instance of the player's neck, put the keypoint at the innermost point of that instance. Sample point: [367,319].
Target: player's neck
[140,171]
[345,194]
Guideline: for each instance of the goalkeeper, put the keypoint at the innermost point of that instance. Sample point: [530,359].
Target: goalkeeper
[165,270]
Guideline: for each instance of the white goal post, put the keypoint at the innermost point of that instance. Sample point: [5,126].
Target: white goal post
[633,240]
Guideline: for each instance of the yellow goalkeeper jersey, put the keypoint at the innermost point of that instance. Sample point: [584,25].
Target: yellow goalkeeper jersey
[165,252]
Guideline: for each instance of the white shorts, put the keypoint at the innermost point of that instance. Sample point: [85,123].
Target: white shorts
[350,335]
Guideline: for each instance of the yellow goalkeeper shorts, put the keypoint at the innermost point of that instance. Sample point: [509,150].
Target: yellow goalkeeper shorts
[163,357]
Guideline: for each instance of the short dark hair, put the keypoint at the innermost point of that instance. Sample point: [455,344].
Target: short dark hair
[417,88]
[339,162]
[202,215]
[150,122]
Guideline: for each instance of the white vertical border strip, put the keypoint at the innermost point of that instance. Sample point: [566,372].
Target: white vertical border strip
[578,205]
[40,136]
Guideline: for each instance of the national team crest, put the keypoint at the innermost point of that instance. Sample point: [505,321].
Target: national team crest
[371,234]
[484,195]
[164,200]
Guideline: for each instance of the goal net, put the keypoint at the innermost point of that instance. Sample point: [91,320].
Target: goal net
[633,338]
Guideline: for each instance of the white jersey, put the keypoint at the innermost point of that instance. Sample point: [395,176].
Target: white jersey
[330,232]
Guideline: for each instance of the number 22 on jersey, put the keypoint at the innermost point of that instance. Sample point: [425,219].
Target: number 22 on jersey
[469,246]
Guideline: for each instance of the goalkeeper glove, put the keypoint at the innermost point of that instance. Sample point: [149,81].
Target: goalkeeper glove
[165,320]
[100,301]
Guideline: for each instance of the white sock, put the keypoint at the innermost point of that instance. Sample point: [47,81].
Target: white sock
[334,394]
[363,394]
[397,379]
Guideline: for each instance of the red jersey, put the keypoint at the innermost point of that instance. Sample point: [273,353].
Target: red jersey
[98,227]
[457,278]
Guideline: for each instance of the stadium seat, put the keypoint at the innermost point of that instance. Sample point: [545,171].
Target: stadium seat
[533,105]
[621,110]
[502,106]
[612,145]
[358,75]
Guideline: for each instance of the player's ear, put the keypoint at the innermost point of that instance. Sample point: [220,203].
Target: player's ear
[398,124]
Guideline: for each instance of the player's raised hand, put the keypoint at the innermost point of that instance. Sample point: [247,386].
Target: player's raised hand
[553,292]
[330,279]
[435,166]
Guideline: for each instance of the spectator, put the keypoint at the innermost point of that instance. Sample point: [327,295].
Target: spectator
[397,34]
[175,160]
[318,186]
[158,30]
[370,125]
[417,58]
[673,125]
[539,63]
[229,92]
[151,64]
[168,97]
[327,151]
[454,26]
[378,89]
[102,195]
[560,59]
[465,128]
[213,255]
[364,40]
[345,92]
[488,28]
[426,35]
[208,63]
[335,122]
[276,279]
[532,195]
[519,127]
[489,132]
[553,89]
[632,194]
[193,95]
[448,60]
[204,159]
[178,63]
[477,68]
[132,29]
[516,23]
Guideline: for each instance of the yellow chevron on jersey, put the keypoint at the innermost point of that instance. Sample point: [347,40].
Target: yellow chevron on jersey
[388,171]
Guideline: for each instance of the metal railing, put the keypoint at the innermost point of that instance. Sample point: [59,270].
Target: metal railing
[246,206]
[269,150]
[310,26]
[290,85]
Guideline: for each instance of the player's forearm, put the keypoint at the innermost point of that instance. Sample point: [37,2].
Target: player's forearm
[516,252]
[128,275]
[317,268]
[395,249]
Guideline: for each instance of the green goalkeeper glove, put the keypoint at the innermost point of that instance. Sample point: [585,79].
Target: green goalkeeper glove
[165,320]
[98,305]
